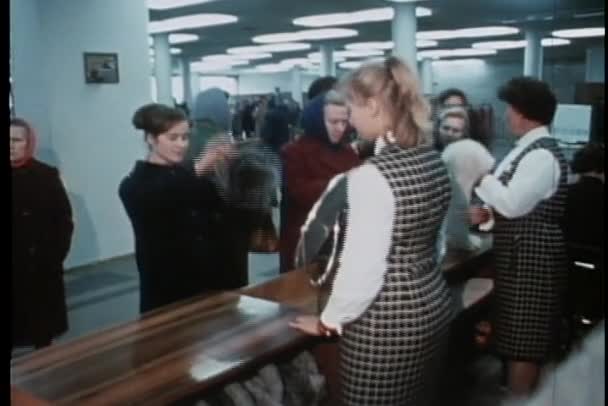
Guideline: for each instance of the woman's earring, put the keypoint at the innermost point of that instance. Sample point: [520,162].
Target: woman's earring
[390,137]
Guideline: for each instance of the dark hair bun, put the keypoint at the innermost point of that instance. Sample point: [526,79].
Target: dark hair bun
[155,118]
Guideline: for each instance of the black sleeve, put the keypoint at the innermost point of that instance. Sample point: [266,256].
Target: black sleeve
[59,235]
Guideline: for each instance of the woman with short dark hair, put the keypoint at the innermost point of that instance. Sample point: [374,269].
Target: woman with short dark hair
[172,208]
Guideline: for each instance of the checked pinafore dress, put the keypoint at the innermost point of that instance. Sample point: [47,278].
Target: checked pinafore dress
[389,356]
[531,270]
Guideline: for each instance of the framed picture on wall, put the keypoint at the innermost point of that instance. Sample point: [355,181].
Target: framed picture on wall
[101,67]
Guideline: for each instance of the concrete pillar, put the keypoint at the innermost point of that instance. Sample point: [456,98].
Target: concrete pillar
[404,29]
[162,69]
[328,67]
[427,76]
[594,64]
[186,80]
[296,84]
[533,55]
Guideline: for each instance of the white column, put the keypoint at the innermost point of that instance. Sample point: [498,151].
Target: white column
[595,64]
[162,69]
[427,76]
[296,84]
[404,29]
[533,55]
[186,80]
[328,68]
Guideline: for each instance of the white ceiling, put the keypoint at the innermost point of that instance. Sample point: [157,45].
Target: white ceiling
[258,17]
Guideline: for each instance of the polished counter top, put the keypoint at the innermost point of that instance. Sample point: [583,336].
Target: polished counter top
[164,356]
[190,346]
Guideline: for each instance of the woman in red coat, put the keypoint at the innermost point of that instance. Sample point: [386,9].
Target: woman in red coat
[309,163]
[41,236]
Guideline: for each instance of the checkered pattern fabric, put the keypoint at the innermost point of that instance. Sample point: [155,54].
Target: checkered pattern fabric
[391,354]
[531,271]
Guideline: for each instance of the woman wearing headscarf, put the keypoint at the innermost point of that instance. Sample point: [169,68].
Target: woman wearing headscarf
[41,235]
[309,163]
[246,184]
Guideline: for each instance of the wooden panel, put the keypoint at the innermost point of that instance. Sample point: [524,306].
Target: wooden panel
[21,398]
[164,357]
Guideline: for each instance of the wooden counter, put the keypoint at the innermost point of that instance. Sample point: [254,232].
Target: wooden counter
[188,347]
[161,358]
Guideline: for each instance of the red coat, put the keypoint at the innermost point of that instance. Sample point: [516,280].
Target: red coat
[308,166]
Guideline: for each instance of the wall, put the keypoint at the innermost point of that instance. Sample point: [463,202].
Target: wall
[86,128]
[29,83]
[266,82]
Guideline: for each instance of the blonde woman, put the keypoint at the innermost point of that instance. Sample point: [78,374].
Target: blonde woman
[389,302]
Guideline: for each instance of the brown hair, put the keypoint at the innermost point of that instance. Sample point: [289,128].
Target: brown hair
[155,119]
[396,87]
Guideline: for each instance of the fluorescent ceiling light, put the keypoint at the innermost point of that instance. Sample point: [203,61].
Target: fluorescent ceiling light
[359,53]
[404,1]
[465,61]
[191,21]
[173,51]
[305,35]
[499,44]
[491,31]
[215,65]
[349,54]
[175,39]
[168,4]
[554,42]
[316,57]
[580,32]
[354,17]
[546,42]
[271,68]
[447,53]
[385,45]
[228,57]
[350,65]
[284,47]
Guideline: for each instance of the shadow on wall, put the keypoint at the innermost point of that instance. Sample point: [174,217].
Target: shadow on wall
[85,245]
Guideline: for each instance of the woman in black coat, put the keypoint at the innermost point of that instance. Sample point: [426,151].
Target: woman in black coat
[173,209]
[41,236]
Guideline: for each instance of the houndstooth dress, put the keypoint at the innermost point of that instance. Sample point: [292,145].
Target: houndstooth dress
[390,355]
[531,270]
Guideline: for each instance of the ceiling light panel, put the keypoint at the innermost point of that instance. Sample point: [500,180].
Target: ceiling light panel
[354,17]
[173,51]
[580,32]
[177,39]
[191,21]
[546,42]
[457,52]
[306,35]
[169,4]
[386,45]
[475,32]
[284,47]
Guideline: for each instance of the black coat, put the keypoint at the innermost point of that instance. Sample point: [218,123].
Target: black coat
[584,217]
[41,236]
[182,235]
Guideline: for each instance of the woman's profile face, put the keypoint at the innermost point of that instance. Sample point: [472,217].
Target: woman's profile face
[364,119]
[170,147]
[18,143]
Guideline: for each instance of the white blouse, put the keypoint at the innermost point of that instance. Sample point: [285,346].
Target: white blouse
[367,243]
[536,179]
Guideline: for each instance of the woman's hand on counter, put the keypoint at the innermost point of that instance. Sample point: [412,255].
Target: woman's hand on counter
[307,324]
[312,325]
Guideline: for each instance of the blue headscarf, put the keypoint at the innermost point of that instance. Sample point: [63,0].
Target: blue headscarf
[313,120]
[212,105]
